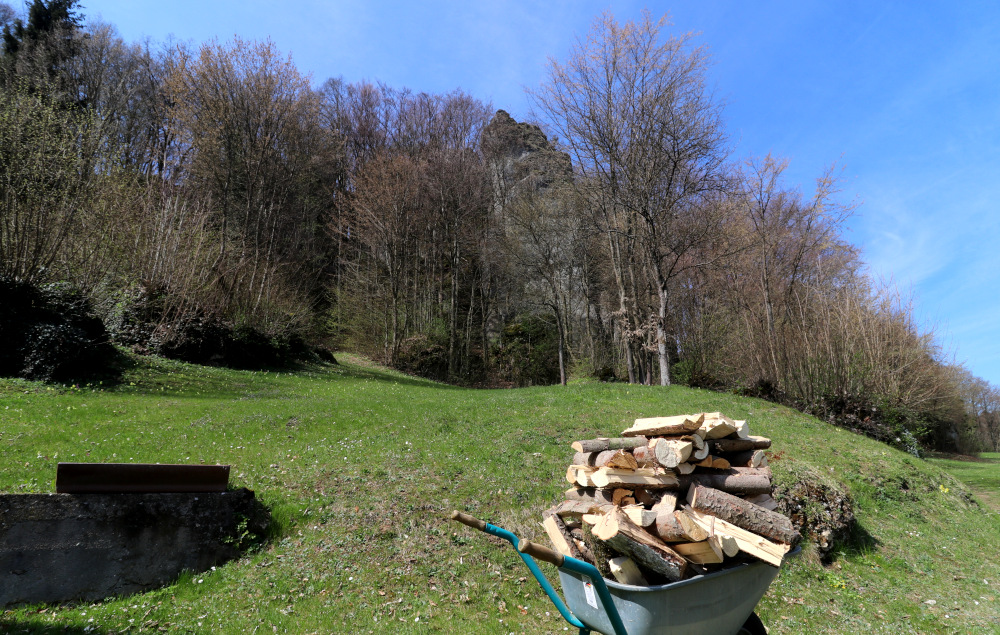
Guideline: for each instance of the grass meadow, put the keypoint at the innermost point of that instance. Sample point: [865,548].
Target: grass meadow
[360,467]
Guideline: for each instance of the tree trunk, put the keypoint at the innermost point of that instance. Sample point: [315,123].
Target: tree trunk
[661,340]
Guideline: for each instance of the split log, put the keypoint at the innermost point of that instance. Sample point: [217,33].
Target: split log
[717,428]
[591,494]
[739,445]
[749,542]
[644,456]
[573,509]
[640,515]
[680,424]
[743,481]
[685,468]
[645,497]
[763,500]
[704,552]
[602,444]
[714,462]
[676,527]
[667,503]
[622,535]
[621,459]
[620,494]
[743,514]
[581,475]
[671,452]
[625,571]
[650,478]
[562,540]
[727,544]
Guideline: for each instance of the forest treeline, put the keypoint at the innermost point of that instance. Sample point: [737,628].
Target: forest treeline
[209,202]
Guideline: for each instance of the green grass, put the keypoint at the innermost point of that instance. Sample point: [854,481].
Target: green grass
[361,465]
[981,474]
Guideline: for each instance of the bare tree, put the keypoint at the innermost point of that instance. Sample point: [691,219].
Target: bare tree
[543,232]
[386,214]
[43,183]
[636,114]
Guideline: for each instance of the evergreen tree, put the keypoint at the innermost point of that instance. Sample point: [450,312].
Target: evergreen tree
[44,19]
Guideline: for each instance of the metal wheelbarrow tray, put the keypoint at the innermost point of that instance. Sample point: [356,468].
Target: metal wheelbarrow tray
[718,602]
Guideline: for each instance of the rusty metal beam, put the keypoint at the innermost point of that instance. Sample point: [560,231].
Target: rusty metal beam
[84,478]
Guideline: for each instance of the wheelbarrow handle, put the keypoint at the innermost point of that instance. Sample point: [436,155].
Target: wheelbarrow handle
[541,552]
[471,521]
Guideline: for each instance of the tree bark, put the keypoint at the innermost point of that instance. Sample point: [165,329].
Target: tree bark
[600,444]
[743,514]
[622,535]
[719,446]
[742,481]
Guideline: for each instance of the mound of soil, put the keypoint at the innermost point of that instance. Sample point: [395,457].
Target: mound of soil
[820,508]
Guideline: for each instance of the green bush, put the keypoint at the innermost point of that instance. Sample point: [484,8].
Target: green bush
[144,320]
[424,356]
[50,333]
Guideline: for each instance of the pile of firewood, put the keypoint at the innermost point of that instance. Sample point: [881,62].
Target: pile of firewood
[672,498]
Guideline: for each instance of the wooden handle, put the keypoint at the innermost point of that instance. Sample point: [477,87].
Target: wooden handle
[471,521]
[542,553]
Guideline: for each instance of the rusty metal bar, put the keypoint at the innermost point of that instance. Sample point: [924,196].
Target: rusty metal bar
[89,478]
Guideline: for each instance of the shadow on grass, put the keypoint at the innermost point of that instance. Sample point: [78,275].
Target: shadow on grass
[393,377]
[859,542]
[150,375]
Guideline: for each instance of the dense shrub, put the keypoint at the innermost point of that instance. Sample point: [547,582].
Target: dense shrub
[423,356]
[527,353]
[150,321]
[50,333]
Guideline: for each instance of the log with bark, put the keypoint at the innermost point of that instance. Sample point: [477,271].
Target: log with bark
[607,458]
[743,514]
[624,536]
[749,458]
[602,444]
[735,480]
[719,446]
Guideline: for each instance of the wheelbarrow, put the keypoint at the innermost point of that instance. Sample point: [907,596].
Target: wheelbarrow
[718,603]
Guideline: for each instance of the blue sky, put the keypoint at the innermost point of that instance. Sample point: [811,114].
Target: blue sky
[904,95]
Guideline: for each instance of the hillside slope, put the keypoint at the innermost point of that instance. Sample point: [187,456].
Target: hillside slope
[361,465]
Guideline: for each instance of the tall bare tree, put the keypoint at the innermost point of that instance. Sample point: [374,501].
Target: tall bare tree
[635,111]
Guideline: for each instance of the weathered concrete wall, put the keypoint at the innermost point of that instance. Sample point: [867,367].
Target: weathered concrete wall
[64,547]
